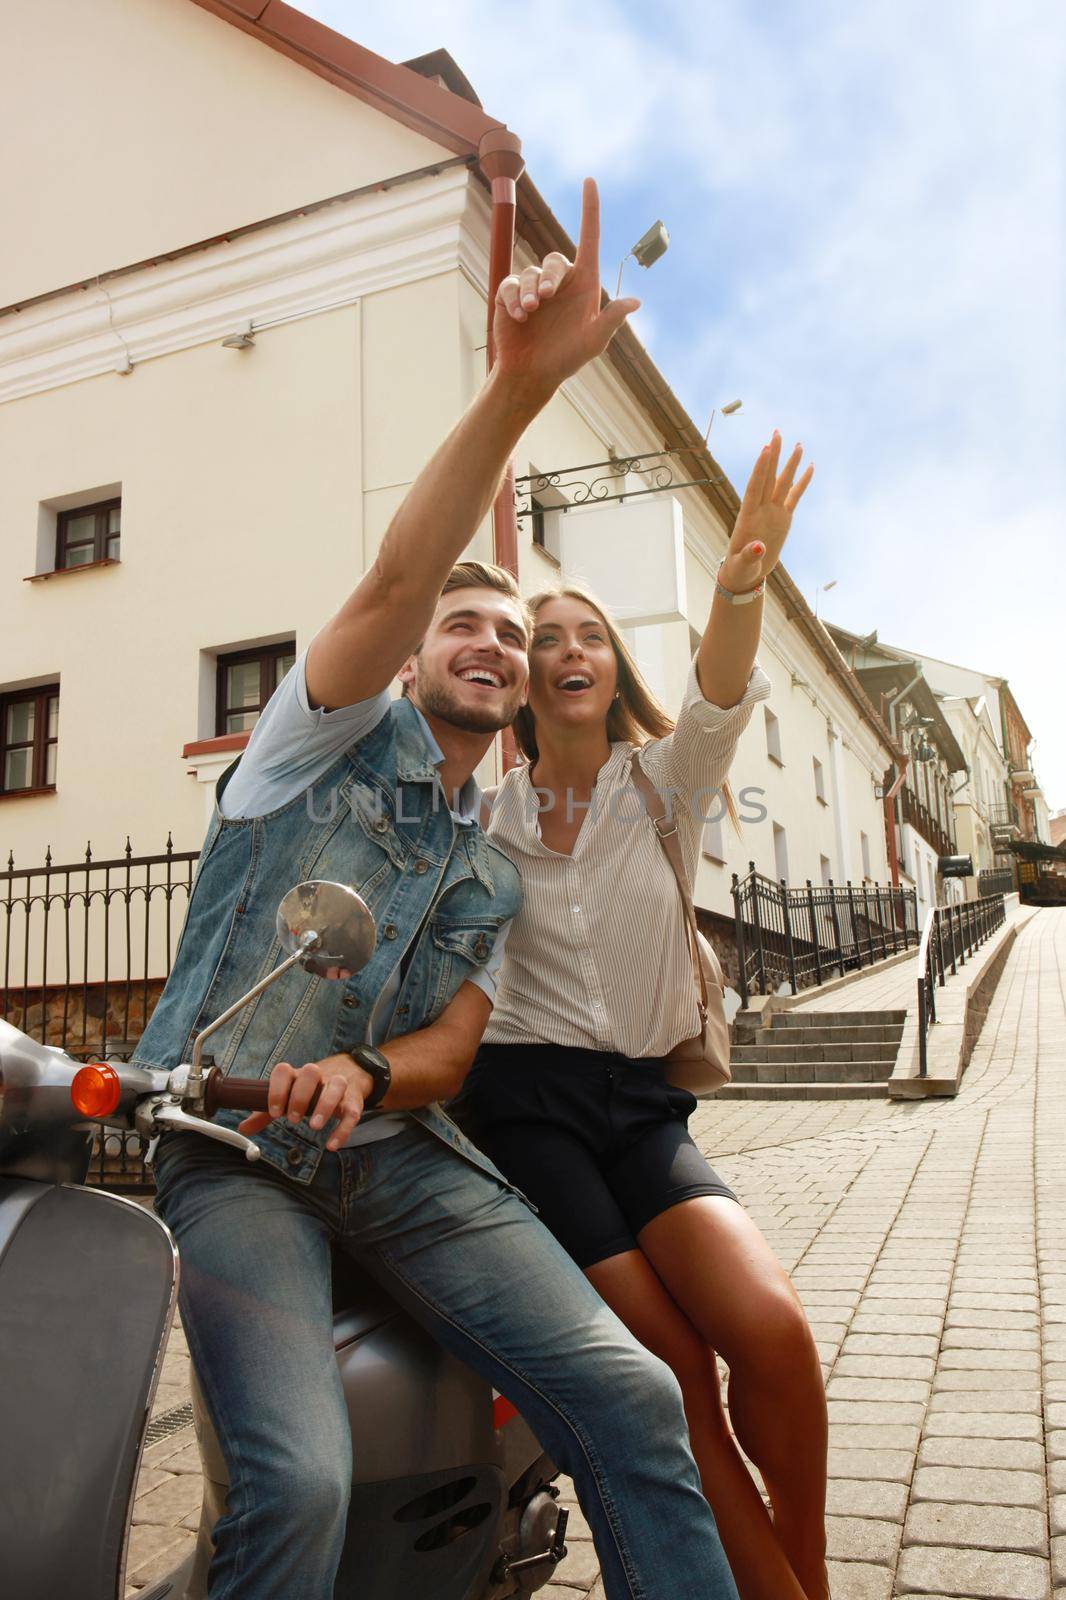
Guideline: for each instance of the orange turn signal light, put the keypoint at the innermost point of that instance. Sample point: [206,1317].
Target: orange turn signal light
[96,1090]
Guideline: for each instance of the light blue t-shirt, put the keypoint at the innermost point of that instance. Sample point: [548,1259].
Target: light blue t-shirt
[291,746]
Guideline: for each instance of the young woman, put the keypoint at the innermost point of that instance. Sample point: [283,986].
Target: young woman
[568,1093]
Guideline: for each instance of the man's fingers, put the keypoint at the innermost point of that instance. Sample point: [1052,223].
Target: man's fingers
[612,317]
[588,248]
[508,295]
[795,494]
[278,1090]
[529,289]
[306,1081]
[333,1093]
[554,269]
[350,1112]
[254,1124]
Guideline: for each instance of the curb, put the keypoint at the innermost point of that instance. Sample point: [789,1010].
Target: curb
[952,1037]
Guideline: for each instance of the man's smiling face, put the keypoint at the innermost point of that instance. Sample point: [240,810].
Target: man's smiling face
[472,668]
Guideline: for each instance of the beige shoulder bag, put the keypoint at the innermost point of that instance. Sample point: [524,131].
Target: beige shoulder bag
[700,1064]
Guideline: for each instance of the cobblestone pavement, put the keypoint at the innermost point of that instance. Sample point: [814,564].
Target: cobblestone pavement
[927,1242]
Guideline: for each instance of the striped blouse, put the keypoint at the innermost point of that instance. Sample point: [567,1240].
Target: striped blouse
[597,958]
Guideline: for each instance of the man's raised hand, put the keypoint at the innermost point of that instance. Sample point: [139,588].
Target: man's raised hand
[547,321]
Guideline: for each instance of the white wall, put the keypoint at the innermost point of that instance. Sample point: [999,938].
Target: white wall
[147,125]
[242,497]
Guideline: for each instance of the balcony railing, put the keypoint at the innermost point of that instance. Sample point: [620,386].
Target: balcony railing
[922,819]
[804,936]
[1003,816]
[951,934]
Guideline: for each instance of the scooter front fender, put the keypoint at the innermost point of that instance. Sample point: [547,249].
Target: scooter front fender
[87,1288]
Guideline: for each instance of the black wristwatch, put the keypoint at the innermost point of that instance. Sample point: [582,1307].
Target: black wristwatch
[372,1061]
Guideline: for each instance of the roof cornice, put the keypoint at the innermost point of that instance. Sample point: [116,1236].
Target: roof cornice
[410,98]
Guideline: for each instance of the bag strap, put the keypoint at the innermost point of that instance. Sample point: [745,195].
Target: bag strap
[666,828]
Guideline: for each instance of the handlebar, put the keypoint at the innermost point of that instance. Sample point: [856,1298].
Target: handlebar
[240,1094]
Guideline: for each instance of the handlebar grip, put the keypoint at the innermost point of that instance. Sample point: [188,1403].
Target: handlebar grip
[240,1094]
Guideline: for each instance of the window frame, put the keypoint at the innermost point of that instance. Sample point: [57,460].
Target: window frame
[267,655]
[780,841]
[101,510]
[773,737]
[38,745]
[819,781]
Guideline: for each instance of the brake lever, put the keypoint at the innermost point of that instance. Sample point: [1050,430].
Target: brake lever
[160,1115]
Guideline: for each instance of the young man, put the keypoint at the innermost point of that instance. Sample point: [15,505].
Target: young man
[340,782]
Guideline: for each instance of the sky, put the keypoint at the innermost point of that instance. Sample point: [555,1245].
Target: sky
[866,207]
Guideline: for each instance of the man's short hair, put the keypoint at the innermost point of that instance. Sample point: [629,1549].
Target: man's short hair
[481,575]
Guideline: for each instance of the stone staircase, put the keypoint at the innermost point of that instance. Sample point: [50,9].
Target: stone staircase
[814,1055]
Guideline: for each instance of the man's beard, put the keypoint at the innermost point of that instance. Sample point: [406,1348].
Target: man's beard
[437,698]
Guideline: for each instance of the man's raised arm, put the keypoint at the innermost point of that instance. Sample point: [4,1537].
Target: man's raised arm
[547,325]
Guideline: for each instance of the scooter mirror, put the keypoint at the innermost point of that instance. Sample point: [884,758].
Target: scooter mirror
[341,919]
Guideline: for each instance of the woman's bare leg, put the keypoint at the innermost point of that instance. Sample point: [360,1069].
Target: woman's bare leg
[723,1275]
[631,1288]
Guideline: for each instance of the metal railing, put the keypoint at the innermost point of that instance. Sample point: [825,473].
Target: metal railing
[87,947]
[951,933]
[995,880]
[804,936]
[1003,815]
[931,829]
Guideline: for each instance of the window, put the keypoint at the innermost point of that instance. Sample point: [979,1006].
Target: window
[246,680]
[780,852]
[773,737]
[537,509]
[826,867]
[29,730]
[713,845]
[544,521]
[88,534]
[819,781]
[864,846]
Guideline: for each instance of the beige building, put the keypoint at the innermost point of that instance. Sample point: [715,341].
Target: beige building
[978,797]
[244,296]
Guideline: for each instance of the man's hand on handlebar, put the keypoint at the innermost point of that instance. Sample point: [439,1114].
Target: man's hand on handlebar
[341,1087]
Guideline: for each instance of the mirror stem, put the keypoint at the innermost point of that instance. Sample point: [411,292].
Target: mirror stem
[195,1088]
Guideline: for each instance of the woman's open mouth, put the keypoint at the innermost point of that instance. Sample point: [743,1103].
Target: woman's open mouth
[574,683]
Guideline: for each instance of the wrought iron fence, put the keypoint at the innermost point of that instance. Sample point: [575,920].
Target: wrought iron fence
[87,947]
[951,933]
[997,880]
[804,936]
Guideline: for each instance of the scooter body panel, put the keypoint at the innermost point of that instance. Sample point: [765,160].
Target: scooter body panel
[409,1401]
[87,1287]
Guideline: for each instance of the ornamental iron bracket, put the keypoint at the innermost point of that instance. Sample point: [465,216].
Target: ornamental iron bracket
[657,467]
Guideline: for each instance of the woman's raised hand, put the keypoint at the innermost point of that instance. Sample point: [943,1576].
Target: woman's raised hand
[547,321]
[764,519]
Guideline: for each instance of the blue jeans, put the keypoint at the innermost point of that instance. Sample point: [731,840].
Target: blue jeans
[490,1284]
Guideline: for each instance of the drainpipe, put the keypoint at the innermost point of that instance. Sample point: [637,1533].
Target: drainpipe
[500,158]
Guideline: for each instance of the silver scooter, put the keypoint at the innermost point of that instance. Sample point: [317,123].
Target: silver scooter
[452,1496]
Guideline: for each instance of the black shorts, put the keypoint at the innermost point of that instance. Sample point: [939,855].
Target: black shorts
[598,1142]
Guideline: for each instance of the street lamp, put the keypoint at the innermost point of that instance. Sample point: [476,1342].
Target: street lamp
[823,588]
[648,248]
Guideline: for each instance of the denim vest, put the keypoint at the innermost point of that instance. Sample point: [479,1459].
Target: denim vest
[377,820]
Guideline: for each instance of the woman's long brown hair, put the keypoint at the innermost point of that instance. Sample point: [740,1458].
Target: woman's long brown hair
[635,715]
